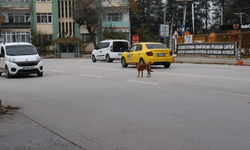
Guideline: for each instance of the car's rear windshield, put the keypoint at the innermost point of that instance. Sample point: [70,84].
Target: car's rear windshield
[155,46]
[20,50]
[120,46]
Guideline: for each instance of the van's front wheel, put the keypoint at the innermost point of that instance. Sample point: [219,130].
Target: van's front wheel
[93,58]
[7,73]
[40,74]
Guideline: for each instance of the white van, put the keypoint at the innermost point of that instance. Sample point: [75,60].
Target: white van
[19,58]
[109,50]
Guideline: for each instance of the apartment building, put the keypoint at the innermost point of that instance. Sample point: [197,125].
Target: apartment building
[54,18]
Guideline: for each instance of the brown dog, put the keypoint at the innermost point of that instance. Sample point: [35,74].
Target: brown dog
[141,67]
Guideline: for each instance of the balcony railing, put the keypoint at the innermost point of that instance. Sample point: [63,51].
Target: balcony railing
[116,24]
[115,3]
[15,3]
[15,25]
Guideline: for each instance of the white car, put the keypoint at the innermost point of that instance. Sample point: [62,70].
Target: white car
[19,58]
[109,50]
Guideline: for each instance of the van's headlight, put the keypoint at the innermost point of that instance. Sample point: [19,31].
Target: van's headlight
[38,58]
[12,59]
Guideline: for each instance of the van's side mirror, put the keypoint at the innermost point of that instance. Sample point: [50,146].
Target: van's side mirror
[96,47]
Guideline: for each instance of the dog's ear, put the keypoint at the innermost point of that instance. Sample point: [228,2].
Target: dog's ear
[136,63]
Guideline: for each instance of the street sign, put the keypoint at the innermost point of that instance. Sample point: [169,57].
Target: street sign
[135,38]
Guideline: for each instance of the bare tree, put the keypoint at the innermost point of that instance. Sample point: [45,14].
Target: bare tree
[88,13]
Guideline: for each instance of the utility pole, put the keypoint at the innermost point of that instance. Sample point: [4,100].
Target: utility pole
[164,20]
[0,19]
[240,16]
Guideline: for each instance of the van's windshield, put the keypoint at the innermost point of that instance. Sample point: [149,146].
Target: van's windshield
[20,50]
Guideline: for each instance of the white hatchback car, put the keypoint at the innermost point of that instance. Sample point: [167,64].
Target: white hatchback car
[19,58]
[109,50]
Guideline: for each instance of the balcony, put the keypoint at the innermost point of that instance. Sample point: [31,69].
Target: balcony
[117,24]
[15,3]
[115,3]
[25,25]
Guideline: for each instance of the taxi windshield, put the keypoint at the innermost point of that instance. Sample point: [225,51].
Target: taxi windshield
[20,50]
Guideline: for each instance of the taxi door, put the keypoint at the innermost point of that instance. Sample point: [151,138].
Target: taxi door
[137,53]
[130,54]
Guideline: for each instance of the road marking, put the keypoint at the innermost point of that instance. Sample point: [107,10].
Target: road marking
[207,76]
[213,69]
[56,71]
[93,76]
[134,81]
[230,93]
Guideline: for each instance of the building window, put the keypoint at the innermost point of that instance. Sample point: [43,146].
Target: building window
[104,17]
[86,38]
[18,0]
[59,10]
[60,29]
[63,29]
[16,37]
[18,18]
[44,18]
[62,9]
[114,17]
[70,28]
[67,30]
[69,8]
[66,8]
[43,0]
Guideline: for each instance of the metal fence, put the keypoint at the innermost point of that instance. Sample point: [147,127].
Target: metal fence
[223,37]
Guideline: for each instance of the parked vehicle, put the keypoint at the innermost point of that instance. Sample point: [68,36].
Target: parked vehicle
[109,50]
[148,52]
[19,58]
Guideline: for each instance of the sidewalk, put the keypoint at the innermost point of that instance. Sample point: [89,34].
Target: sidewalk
[210,60]
[20,132]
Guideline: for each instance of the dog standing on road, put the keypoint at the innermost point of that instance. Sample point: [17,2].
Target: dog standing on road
[141,67]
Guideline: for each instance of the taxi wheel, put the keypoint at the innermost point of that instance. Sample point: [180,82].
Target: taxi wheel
[167,66]
[0,73]
[142,61]
[93,58]
[124,65]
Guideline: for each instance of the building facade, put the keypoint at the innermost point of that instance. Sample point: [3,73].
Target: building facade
[54,18]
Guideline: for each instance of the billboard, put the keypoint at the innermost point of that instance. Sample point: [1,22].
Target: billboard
[226,48]
[164,31]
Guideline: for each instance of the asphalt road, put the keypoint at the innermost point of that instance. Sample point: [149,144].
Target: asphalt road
[102,106]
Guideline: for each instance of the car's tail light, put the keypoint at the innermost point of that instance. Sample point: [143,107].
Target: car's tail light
[171,53]
[149,53]
[111,48]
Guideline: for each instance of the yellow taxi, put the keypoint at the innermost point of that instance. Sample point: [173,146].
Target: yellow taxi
[147,52]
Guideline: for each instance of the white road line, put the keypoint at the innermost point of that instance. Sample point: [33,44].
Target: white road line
[213,69]
[230,93]
[134,81]
[87,75]
[56,71]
